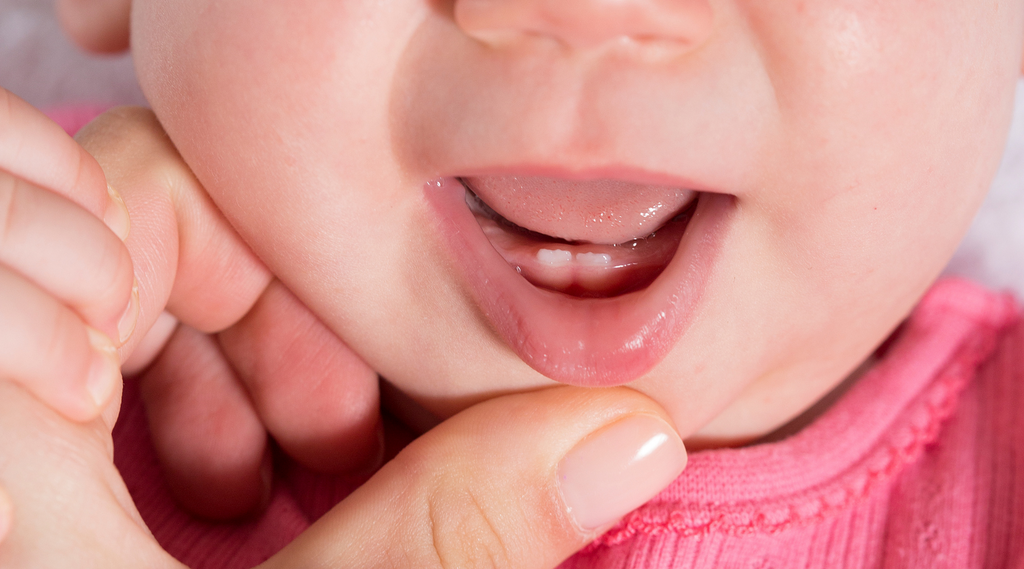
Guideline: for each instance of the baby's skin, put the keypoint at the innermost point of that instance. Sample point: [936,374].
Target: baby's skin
[725,206]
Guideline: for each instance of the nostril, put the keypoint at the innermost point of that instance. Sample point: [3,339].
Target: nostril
[585,24]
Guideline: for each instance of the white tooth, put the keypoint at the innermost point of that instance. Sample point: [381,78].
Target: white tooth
[556,258]
[594,259]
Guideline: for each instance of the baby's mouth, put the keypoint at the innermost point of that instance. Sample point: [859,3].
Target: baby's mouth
[584,268]
[598,303]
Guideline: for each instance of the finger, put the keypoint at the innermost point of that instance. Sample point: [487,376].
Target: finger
[46,347]
[37,150]
[314,394]
[187,257]
[96,25]
[150,345]
[70,506]
[69,253]
[520,481]
[210,443]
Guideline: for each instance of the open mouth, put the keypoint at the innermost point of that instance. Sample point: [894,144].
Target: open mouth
[582,268]
[582,300]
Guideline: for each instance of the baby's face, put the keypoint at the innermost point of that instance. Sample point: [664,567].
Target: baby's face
[806,169]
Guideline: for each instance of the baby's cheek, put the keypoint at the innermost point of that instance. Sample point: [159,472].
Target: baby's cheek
[891,121]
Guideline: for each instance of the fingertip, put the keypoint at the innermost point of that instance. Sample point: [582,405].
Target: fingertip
[209,441]
[149,346]
[351,449]
[100,26]
[234,490]
[225,495]
[315,395]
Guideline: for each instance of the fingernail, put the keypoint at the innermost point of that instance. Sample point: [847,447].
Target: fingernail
[105,370]
[116,215]
[618,468]
[126,325]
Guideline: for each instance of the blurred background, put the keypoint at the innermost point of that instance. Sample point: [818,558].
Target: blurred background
[38,64]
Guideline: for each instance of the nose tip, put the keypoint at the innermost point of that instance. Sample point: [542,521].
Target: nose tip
[582,24]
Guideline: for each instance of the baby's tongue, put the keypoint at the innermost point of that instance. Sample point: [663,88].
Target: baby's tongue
[591,239]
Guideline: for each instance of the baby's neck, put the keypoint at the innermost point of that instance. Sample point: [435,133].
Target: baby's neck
[801,421]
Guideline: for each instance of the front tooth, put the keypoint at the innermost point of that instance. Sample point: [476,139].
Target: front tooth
[554,258]
[594,259]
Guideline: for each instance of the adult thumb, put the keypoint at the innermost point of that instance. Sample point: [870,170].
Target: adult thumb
[521,481]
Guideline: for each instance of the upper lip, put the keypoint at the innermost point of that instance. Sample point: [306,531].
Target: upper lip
[619,172]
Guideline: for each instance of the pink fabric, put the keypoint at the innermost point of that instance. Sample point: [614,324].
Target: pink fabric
[921,464]
[71,119]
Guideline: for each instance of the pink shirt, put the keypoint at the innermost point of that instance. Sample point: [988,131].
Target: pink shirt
[920,464]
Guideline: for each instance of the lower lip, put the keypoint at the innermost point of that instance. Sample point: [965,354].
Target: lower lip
[589,342]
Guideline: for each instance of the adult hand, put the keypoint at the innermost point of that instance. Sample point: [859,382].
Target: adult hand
[230,353]
[66,279]
[269,365]
[520,481]
[70,297]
